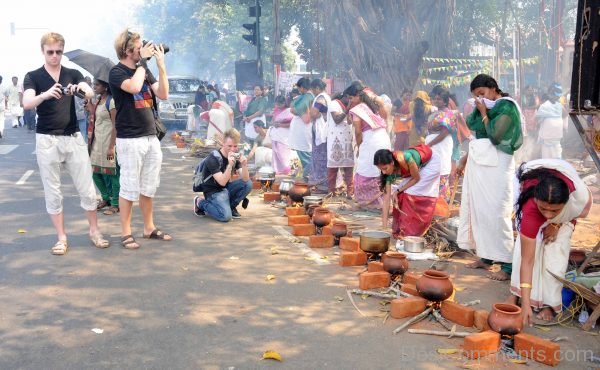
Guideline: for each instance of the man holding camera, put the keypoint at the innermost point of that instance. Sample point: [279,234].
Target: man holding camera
[138,149]
[221,194]
[51,89]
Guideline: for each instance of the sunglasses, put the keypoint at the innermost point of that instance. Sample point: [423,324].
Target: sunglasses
[129,34]
[52,52]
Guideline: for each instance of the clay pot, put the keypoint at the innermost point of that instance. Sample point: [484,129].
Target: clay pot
[321,217]
[311,210]
[180,144]
[506,319]
[299,191]
[576,257]
[339,229]
[435,286]
[395,263]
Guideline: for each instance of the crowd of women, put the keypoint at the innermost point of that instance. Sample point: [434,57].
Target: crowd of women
[349,136]
[353,132]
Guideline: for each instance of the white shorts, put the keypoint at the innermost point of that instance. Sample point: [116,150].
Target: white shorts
[71,152]
[140,160]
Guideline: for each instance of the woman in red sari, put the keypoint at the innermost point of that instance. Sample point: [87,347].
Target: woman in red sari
[415,196]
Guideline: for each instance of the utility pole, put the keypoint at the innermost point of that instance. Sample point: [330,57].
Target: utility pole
[277,58]
[258,41]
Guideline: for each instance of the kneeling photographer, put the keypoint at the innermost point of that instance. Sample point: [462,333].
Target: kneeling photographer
[221,194]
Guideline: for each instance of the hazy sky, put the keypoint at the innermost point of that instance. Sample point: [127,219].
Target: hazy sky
[85,24]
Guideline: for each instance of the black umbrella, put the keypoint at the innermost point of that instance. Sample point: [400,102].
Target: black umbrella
[98,66]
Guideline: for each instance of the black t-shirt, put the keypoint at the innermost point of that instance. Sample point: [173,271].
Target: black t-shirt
[55,116]
[135,117]
[211,167]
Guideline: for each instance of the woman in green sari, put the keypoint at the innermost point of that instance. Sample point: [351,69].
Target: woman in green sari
[489,168]
[254,112]
[301,135]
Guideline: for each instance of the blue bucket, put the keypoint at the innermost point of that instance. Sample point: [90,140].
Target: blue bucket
[567,294]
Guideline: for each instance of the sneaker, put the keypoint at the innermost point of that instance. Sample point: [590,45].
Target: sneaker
[235,213]
[197,211]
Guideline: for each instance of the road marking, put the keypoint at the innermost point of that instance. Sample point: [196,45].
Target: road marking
[24,177]
[303,247]
[5,149]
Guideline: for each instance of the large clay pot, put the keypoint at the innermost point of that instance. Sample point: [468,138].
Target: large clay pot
[321,217]
[395,262]
[339,229]
[299,191]
[435,286]
[506,319]
[311,210]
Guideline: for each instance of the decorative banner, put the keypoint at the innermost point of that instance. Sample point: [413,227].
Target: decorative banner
[468,69]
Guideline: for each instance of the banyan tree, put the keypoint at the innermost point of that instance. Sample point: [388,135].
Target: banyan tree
[381,42]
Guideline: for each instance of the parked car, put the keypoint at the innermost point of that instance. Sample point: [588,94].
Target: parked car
[173,111]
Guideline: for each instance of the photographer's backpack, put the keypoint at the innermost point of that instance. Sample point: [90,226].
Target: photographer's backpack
[199,179]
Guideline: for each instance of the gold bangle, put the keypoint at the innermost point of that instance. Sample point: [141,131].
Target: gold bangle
[525,285]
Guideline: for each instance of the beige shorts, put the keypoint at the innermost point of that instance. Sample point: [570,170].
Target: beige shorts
[140,160]
[71,152]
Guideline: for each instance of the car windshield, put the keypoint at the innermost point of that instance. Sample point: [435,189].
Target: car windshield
[183,85]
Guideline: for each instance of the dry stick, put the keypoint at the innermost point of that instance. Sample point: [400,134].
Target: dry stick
[441,320]
[373,294]
[415,319]
[448,334]
[354,304]
[400,293]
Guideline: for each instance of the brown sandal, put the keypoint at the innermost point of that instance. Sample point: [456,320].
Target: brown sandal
[128,242]
[158,235]
[111,211]
[102,204]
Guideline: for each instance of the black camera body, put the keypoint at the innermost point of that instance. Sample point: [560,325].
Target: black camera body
[164,46]
[237,156]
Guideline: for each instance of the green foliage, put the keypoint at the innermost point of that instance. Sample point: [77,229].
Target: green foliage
[206,36]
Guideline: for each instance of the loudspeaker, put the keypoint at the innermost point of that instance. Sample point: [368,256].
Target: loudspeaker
[246,75]
[585,83]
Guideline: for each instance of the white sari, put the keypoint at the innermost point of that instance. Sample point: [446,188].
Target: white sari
[340,138]
[487,203]
[553,257]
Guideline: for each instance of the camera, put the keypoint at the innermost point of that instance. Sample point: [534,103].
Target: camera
[65,91]
[237,156]
[164,46]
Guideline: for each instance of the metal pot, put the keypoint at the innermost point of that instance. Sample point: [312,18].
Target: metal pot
[285,185]
[414,244]
[266,173]
[375,241]
[312,199]
[453,224]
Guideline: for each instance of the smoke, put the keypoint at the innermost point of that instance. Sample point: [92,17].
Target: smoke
[90,26]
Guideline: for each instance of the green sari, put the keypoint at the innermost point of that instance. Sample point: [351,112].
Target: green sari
[256,104]
[302,103]
[503,128]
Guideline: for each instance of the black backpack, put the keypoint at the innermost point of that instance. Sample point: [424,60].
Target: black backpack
[199,179]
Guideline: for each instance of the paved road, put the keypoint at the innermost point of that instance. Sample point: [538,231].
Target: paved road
[201,301]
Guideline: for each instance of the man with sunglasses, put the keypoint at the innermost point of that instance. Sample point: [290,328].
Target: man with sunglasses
[59,143]
[138,149]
